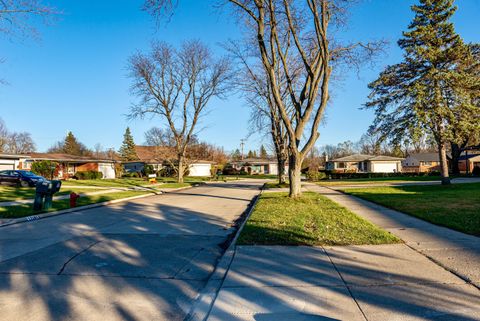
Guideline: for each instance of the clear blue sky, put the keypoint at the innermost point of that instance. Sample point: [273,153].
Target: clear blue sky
[74,77]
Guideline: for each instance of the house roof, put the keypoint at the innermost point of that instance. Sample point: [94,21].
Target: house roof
[255,161]
[425,157]
[159,154]
[153,154]
[13,156]
[469,156]
[363,157]
[67,158]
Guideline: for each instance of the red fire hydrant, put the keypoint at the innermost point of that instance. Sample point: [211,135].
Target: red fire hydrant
[73,199]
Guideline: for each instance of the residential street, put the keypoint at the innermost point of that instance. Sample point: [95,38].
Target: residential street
[145,259]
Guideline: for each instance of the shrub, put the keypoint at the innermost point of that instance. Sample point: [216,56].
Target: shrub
[476,171]
[147,170]
[315,175]
[131,174]
[47,169]
[88,175]
[229,170]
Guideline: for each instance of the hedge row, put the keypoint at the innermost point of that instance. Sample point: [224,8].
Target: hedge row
[340,175]
[88,175]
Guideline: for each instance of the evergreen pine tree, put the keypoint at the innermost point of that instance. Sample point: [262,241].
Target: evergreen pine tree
[263,152]
[250,154]
[72,146]
[413,93]
[127,150]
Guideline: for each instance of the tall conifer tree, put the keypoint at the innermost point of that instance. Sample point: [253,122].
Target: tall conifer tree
[413,94]
[127,150]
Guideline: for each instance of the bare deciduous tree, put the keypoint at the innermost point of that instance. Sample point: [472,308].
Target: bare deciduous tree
[20,143]
[265,116]
[298,31]
[15,142]
[286,31]
[177,86]
[3,136]
[16,16]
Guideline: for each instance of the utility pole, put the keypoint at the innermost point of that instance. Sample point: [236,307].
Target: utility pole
[242,144]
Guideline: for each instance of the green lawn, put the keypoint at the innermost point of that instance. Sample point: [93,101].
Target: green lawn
[310,220]
[456,206]
[8,193]
[129,182]
[26,210]
[378,180]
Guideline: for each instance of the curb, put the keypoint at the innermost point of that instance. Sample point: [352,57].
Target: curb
[81,208]
[203,305]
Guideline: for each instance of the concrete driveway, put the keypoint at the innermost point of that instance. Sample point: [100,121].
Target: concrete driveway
[140,260]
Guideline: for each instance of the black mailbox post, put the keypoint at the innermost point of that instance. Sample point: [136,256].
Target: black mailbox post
[53,188]
[44,194]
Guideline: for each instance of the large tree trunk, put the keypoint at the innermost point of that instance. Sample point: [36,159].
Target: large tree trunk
[281,168]
[295,175]
[442,151]
[181,168]
[456,152]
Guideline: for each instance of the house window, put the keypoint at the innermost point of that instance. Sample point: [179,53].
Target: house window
[427,163]
[341,165]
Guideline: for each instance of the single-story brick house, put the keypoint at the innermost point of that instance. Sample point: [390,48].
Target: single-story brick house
[12,161]
[69,165]
[422,163]
[258,166]
[158,156]
[360,163]
[469,161]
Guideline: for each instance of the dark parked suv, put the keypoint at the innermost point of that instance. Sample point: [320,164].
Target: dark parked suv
[20,178]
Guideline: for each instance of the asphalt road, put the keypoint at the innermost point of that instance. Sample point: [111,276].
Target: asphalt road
[140,260]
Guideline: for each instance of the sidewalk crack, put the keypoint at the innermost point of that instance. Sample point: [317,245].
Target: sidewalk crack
[76,255]
[345,283]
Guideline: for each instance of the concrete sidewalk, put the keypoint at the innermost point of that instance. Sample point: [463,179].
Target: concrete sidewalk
[457,252]
[435,275]
[382,282]
[353,184]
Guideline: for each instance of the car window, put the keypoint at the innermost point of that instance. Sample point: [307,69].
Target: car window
[12,173]
[4,173]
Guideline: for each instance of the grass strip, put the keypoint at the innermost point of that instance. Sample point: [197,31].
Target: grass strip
[27,209]
[309,220]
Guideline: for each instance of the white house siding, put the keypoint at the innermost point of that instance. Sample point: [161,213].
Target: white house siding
[10,164]
[273,169]
[107,169]
[385,167]
[200,170]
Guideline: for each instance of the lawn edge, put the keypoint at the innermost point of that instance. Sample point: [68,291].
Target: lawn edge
[204,302]
[405,213]
[37,217]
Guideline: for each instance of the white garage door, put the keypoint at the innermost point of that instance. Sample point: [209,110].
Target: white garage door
[107,170]
[4,167]
[384,167]
[200,170]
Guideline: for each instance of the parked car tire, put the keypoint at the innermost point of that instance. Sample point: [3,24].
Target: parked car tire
[23,184]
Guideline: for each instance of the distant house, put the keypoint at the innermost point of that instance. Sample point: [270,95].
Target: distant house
[469,161]
[11,161]
[158,158]
[69,165]
[360,163]
[422,163]
[258,166]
